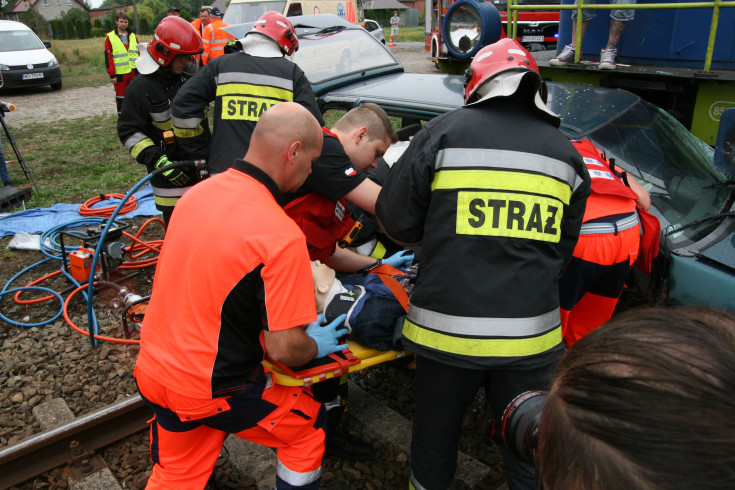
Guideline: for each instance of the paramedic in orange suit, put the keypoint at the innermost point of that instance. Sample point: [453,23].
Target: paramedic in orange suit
[608,245]
[226,293]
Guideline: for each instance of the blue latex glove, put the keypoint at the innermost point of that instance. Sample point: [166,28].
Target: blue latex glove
[327,336]
[400,259]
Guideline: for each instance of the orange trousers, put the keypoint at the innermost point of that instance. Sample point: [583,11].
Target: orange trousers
[187,434]
[594,279]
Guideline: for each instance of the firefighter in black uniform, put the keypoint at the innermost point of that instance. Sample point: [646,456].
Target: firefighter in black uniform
[242,85]
[495,193]
[144,126]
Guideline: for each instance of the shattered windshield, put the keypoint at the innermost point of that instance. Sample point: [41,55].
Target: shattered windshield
[327,54]
[673,165]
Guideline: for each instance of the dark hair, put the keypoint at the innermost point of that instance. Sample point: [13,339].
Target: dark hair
[647,402]
[371,116]
[121,14]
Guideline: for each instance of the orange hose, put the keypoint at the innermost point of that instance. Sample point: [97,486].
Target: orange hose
[84,332]
[86,208]
[151,246]
[16,296]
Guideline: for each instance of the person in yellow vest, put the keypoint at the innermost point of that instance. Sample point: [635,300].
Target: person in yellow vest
[121,51]
[214,38]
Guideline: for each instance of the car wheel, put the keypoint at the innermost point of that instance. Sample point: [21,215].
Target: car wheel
[56,86]
[345,62]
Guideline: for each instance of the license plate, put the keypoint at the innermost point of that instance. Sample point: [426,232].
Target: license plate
[31,76]
[532,39]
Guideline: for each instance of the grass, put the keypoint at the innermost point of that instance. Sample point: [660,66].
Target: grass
[72,169]
[407,34]
[82,61]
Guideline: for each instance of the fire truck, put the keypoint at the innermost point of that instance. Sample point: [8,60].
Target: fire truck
[457,29]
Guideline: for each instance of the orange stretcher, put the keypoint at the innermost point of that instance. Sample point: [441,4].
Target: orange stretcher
[358,357]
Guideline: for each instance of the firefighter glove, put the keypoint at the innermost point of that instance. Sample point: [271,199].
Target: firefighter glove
[175,175]
[327,336]
[400,259]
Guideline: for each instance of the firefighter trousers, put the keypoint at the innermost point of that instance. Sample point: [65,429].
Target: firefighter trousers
[187,434]
[443,394]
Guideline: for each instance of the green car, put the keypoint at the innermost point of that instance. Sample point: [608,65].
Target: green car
[693,198]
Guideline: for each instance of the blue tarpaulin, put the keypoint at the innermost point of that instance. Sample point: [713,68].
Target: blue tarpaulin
[39,220]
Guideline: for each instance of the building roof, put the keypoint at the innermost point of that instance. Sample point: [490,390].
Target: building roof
[23,6]
[383,4]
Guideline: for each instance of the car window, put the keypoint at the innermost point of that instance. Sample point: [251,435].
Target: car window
[371,26]
[238,13]
[19,41]
[329,54]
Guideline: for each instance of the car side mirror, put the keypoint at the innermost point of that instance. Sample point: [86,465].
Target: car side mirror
[47,44]
[724,158]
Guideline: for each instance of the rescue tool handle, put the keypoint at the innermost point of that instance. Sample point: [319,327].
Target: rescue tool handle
[350,236]
[6,106]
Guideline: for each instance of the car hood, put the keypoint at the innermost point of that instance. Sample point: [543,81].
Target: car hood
[25,57]
[417,92]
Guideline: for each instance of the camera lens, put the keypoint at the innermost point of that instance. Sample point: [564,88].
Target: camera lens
[520,425]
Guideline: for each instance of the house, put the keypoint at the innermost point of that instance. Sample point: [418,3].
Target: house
[101,12]
[49,9]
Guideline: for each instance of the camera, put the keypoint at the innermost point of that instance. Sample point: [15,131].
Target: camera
[520,427]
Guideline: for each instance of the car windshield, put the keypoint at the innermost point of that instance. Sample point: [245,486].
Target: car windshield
[239,13]
[674,166]
[326,54]
[19,41]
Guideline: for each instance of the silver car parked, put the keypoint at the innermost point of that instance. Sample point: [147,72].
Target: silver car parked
[374,28]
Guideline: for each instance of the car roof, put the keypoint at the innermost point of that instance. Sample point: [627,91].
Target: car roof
[11,25]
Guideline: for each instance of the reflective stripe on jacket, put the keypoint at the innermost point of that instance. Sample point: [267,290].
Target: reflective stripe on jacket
[145,115]
[610,195]
[242,88]
[122,57]
[495,195]
[214,40]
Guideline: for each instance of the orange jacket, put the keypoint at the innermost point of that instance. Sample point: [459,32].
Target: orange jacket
[214,39]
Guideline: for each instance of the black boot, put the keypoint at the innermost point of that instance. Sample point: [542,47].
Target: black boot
[340,443]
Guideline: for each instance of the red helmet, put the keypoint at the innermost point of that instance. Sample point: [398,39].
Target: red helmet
[278,28]
[174,36]
[504,55]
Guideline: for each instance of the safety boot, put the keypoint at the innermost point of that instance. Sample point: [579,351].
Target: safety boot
[341,444]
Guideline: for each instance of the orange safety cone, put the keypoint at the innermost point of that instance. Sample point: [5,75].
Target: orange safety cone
[391,44]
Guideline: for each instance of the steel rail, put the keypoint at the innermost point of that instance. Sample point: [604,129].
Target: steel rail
[49,449]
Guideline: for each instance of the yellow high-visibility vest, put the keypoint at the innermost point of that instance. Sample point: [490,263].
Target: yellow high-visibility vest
[124,59]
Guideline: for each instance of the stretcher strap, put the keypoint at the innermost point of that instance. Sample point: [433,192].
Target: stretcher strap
[338,363]
[386,272]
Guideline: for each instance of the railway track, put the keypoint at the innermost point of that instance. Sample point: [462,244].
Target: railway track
[71,443]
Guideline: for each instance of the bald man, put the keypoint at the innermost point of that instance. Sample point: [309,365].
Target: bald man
[234,276]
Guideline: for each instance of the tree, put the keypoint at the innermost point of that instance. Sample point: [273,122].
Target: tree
[37,23]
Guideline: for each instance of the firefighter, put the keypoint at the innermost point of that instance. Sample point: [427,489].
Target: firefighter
[121,51]
[495,193]
[351,147]
[214,38]
[205,334]
[607,248]
[235,82]
[144,125]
